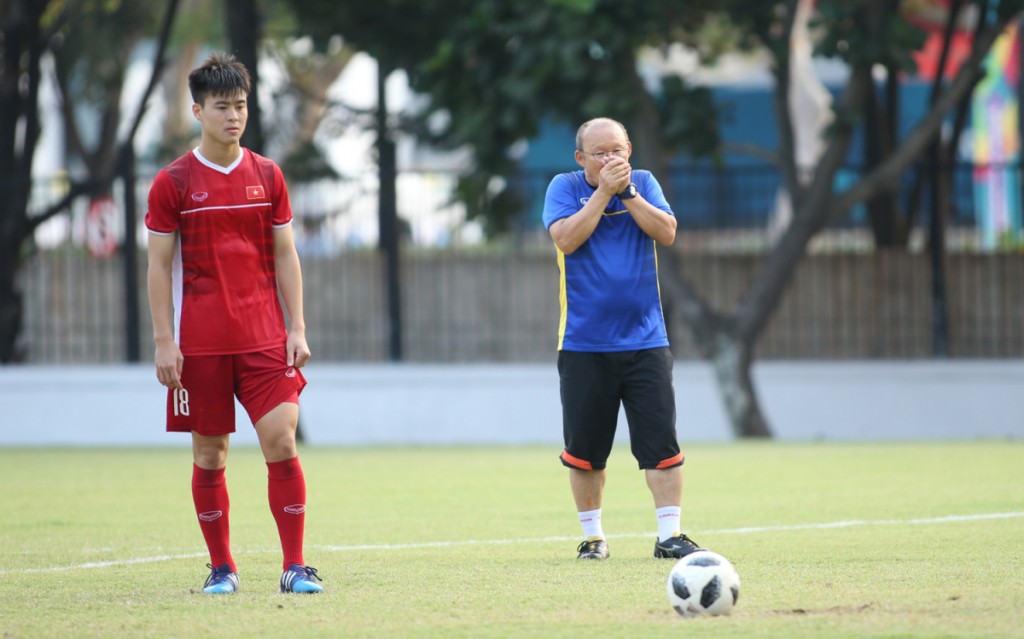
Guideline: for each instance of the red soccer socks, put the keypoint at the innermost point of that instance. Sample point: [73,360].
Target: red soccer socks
[286,489]
[210,495]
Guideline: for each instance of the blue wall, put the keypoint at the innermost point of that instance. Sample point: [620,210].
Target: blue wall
[740,193]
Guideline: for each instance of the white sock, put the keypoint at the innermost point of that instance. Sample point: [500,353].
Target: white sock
[591,522]
[668,521]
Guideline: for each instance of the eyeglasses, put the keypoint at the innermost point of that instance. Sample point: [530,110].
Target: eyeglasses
[600,155]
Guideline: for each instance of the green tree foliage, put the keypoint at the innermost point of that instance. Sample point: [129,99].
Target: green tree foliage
[507,67]
[91,55]
[398,32]
[29,30]
[492,71]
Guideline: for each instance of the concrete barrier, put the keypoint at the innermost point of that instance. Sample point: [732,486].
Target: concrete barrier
[496,404]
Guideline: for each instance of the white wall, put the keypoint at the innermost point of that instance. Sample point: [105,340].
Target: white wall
[387,404]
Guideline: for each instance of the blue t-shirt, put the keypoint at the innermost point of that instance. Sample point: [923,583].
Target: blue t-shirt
[608,288]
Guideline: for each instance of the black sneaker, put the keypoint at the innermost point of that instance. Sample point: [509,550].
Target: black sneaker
[596,549]
[674,547]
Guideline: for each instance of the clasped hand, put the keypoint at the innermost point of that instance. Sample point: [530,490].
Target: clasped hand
[615,176]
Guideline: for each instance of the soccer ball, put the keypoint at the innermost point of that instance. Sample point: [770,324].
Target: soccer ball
[703,583]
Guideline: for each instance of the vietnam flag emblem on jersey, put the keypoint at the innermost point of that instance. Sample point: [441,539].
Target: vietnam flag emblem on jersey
[255,192]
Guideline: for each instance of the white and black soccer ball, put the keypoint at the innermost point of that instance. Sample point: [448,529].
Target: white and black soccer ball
[703,583]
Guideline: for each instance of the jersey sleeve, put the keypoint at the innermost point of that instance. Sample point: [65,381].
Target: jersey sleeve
[282,206]
[164,213]
[559,201]
[649,187]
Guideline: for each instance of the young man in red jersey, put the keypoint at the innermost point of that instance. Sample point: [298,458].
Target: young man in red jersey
[220,250]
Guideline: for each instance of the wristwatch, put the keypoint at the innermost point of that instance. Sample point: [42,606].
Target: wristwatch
[629,192]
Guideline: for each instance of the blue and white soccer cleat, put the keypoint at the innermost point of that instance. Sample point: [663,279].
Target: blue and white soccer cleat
[222,580]
[300,579]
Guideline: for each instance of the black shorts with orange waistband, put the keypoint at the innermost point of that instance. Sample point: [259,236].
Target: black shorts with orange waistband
[595,385]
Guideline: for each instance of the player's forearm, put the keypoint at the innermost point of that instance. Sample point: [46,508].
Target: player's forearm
[659,225]
[571,232]
[289,281]
[158,283]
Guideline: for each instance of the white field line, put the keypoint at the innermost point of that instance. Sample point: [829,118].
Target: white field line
[479,542]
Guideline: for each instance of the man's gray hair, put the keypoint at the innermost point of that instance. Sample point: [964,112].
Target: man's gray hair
[580,132]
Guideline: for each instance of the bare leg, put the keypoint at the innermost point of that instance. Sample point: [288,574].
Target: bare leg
[276,432]
[587,488]
[666,485]
[210,452]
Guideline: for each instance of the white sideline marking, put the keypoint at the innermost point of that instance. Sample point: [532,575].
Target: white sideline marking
[723,531]
[479,542]
[106,564]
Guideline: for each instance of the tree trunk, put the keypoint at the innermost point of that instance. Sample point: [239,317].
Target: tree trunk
[728,355]
[888,227]
[388,215]
[244,27]
[20,75]
[10,304]
[731,360]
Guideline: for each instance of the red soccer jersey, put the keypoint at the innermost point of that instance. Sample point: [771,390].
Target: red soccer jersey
[223,278]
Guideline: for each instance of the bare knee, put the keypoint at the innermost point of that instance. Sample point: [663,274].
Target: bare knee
[210,452]
[276,432]
[279,446]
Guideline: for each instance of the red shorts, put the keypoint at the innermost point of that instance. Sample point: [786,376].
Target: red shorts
[206,405]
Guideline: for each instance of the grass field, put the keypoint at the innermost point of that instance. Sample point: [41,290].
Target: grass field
[830,540]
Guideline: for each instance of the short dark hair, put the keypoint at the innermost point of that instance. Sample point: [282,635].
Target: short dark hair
[220,75]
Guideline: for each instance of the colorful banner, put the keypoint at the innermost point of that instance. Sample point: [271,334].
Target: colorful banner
[996,145]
